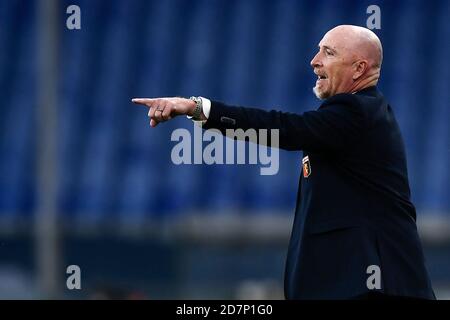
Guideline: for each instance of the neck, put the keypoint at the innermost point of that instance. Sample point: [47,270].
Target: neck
[369,81]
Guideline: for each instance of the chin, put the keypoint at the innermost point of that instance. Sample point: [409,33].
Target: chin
[320,94]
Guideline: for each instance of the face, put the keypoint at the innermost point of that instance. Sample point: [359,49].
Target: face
[333,66]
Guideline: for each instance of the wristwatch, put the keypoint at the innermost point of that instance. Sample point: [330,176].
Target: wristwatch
[198,108]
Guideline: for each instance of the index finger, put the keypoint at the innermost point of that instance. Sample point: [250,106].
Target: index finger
[144,101]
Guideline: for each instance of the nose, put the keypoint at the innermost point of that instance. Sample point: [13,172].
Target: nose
[315,62]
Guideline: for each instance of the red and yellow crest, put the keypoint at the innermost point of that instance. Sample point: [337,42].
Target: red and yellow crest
[306,167]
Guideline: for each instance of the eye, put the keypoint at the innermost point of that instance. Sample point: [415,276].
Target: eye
[329,52]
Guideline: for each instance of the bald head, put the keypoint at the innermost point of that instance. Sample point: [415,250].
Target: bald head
[358,42]
[349,60]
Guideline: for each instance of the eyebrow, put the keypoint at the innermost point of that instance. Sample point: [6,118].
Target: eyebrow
[329,48]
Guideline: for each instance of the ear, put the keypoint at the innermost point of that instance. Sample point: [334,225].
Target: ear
[359,67]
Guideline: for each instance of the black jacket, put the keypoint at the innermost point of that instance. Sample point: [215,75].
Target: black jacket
[353,204]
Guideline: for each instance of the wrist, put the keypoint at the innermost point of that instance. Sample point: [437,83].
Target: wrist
[191,107]
[197,111]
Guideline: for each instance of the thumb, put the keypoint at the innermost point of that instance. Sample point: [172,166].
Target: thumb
[153,123]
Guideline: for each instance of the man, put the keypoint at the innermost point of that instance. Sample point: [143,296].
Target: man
[354,233]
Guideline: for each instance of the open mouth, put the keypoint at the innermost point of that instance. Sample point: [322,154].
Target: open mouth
[320,75]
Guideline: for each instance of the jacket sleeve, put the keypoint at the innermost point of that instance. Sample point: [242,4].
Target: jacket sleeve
[335,126]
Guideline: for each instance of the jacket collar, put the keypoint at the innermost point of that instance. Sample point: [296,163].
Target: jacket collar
[369,91]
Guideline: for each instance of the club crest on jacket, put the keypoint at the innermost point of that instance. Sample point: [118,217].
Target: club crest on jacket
[306,167]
